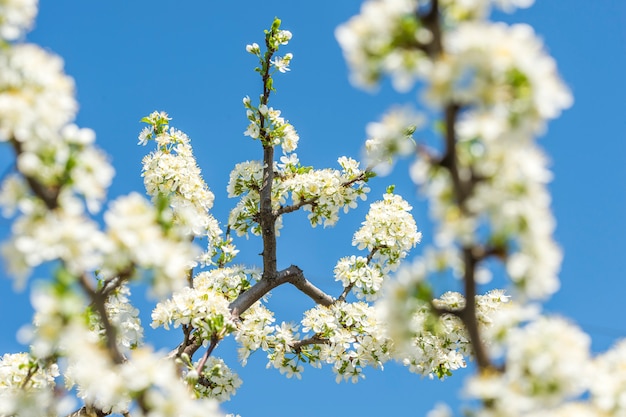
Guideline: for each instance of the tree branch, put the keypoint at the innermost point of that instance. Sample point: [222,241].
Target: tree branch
[214,341]
[462,189]
[313,340]
[468,314]
[49,195]
[110,332]
[347,289]
[295,207]
[267,219]
[431,22]
[307,287]
[292,275]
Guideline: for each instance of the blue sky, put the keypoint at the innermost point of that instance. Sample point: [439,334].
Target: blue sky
[188,58]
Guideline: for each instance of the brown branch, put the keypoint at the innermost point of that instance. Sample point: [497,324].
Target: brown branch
[49,195]
[462,189]
[88,411]
[313,340]
[267,219]
[292,275]
[431,21]
[110,332]
[347,289]
[31,372]
[468,314]
[295,207]
[307,287]
[214,341]
[313,200]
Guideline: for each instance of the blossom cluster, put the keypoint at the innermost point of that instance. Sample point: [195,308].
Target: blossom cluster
[487,188]
[274,38]
[388,233]
[18,17]
[20,370]
[55,159]
[504,87]
[216,380]
[388,37]
[124,316]
[495,88]
[353,338]
[83,318]
[275,131]
[26,386]
[346,336]
[390,137]
[205,311]
[428,337]
[546,364]
[145,375]
[171,171]
[321,192]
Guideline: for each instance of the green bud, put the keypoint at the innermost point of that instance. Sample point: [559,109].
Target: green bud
[275,24]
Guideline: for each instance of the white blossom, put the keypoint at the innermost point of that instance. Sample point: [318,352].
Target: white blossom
[17,17]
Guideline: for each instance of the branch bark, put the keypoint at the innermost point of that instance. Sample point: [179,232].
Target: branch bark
[462,188]
[292,275]
[49,195]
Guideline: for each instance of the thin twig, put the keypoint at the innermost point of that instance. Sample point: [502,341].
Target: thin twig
[214,341]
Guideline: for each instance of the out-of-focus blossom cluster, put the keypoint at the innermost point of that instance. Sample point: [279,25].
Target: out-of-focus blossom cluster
[547,362]
[17,18]
[608,381]
[61,329]
[142,235]
[391,137]
[427,336]
[388,38]
[495,88]
[124,316]
[61,178]
[146,376]
[502,88]
[55,157]
[206,311]
[456,10]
